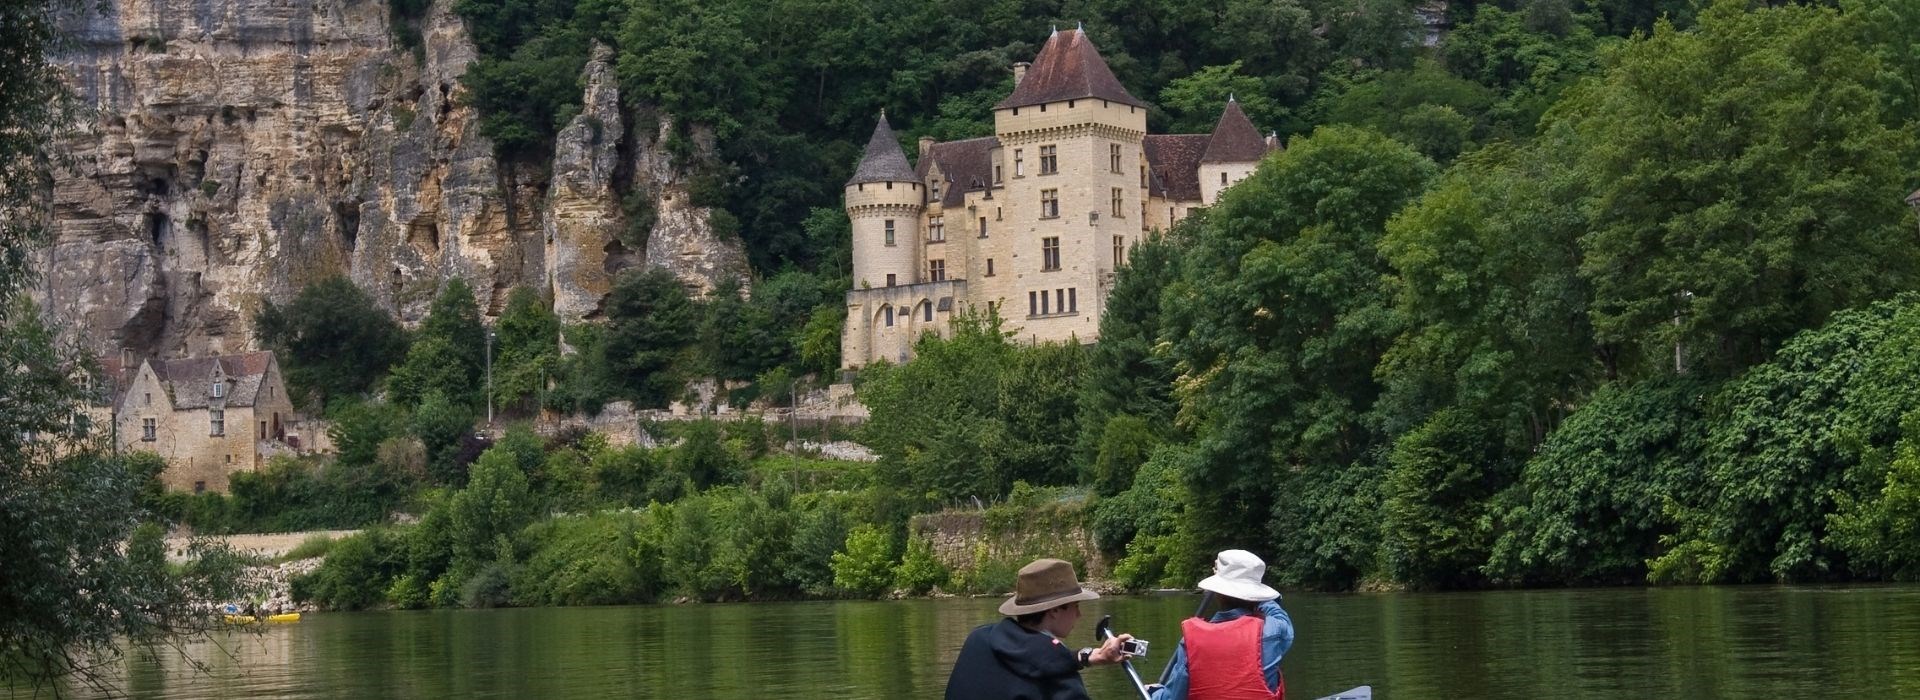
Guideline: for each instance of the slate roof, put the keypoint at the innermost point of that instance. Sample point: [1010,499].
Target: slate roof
[1914,199]
[967,164]
[189,380]
[1234,138]
[883,160]
[1068,67]
[1173,165]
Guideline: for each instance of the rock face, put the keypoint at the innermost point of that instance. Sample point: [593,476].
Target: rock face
[240,149]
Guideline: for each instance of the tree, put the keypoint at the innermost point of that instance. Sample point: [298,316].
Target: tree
[1127,371]
[650,323]
[1196,100]
[332,340]
[527,353]
[85,579]
[1283,314]
[494,506]
[1743,185]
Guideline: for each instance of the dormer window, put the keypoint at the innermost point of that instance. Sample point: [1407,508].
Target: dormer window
[219,389]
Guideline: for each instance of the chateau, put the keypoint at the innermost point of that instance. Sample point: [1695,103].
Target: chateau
[1033,221]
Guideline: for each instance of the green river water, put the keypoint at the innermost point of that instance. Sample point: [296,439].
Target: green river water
[1725,642]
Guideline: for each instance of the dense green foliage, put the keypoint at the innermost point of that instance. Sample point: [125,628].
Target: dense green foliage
[332,340]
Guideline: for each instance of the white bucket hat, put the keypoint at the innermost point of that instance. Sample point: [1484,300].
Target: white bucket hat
[1237,574]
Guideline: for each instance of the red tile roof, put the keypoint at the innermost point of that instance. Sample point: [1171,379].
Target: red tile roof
[1067,68]
[968,165]
[1235,140]
[1173,161]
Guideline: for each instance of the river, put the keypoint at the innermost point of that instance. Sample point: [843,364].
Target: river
[1729,642]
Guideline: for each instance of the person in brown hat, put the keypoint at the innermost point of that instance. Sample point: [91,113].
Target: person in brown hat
[1023,656]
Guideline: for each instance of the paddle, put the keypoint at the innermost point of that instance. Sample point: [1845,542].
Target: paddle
[1100,634]
[1204,600]
[1364,692]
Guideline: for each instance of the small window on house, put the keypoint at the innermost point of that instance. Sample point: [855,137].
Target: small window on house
[219,390]
[936,229]
[1119,251]
[1019,162]
[1049,204]
[1117,203]
[263,430]
[149,400]
[147,430]
[889,231]
[1033,307]
[1073,300]
[1049,160]
[996,213]
[217,422]
[890,280]
[936,271]
[229,459]
[1044,309]
[1143,176]
[1060,300]
[1223,179]
[1113,157]
[1050,253]
[199,487]
[927,311]
[983,227]
[996,175]
[989,267]
[934,190]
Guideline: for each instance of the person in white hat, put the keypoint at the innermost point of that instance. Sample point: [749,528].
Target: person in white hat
[1022,656]
[1235,655]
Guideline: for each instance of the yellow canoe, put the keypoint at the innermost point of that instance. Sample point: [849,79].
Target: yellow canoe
[249,619]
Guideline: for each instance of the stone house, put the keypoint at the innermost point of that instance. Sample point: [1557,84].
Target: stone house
[1032,222]
[208,417]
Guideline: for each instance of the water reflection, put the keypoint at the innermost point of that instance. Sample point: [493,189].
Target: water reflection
[1678,642]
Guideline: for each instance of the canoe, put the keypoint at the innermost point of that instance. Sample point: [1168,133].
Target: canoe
[249,619]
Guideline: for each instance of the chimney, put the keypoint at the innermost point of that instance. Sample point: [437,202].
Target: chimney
[926,146]
[1020,72]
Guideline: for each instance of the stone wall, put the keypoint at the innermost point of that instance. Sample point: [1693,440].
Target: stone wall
[965,540]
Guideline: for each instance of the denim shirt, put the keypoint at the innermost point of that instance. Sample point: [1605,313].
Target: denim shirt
[1276,637]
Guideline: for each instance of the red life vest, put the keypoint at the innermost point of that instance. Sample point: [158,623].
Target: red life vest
[1223,660]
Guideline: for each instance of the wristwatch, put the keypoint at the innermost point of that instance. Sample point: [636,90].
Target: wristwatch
[1085,656]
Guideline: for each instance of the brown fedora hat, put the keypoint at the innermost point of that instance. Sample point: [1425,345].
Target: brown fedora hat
[1044,585]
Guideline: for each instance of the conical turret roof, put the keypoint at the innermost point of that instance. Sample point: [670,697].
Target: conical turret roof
[1234,138]
[1068,68]
[883,161]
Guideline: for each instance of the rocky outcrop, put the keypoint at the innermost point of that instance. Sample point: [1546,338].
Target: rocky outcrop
[682,238]
[584,221]
[240,149]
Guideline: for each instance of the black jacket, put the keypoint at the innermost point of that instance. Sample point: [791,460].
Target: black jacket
[1004,661]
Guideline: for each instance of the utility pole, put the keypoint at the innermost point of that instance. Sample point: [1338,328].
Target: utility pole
[490,337]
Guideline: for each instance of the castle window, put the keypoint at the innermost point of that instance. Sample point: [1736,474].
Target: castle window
[1049,204]
[1113,156]
[983,227]
[1044,309]
[935,190]
[936,271]
[1073,300]
[926,311]
[1117,203]
[996,174]
[1049,160]
[147,430]
[219,390]
[936,229]
[149,399]
[1019,162]
[199,487]
[886,312]
[1060,300]
[889,280]
[1033,307]
[1143,176]
[889,231]
[1223,179]
[1050,253]
[989,267]
[216,422]
[1119,251]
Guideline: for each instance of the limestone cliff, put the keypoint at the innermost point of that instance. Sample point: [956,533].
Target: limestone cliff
[239,149]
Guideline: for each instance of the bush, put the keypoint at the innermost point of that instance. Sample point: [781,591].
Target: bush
[358,571]
[919,571]
[865,566]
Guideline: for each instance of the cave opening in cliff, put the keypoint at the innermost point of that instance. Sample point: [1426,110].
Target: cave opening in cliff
[158,228]
[346,219]
[616,257]
[425,238]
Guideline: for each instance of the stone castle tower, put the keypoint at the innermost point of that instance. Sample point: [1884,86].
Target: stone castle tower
[1032,222]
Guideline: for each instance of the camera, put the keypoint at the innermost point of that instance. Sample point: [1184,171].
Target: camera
[1134,647]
